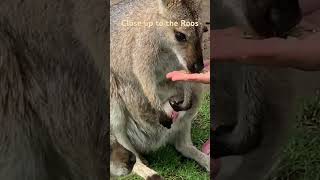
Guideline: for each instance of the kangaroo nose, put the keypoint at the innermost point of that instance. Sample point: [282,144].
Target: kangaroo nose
[273,17]
[282,20]
[197,67]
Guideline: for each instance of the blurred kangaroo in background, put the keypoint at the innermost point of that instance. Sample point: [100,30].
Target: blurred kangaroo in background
[254,104]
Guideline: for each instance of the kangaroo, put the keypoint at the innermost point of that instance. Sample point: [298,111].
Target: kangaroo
[253,107]
[149,39]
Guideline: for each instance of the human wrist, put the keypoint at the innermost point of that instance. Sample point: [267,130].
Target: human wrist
[262,50]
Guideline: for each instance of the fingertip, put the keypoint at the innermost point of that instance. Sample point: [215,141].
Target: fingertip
[169,75]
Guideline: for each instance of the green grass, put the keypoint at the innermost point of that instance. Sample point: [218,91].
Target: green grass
[301,157]
[172,165]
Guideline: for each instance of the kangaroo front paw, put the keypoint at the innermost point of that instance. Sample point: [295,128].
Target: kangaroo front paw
[144,161]
[155,177]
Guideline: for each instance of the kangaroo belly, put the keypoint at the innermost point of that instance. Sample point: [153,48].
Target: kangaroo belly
[146,137]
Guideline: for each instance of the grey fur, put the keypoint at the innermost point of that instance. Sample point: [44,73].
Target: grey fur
[140,59]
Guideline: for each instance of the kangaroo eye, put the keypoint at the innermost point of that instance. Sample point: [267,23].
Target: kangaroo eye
[180,36]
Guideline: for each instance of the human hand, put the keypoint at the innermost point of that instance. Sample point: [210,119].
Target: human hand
[196,77]
[229,44]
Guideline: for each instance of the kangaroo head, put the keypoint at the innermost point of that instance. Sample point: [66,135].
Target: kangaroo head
[182,32]
[272,17]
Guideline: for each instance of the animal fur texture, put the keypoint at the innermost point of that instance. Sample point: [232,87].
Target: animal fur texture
[140,96]
[53,96]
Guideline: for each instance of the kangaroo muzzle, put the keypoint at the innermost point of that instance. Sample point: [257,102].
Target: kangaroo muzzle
[273,17]
[196,67]
[182,103]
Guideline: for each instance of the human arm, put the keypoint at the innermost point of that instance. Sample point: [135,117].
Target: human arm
[229,46]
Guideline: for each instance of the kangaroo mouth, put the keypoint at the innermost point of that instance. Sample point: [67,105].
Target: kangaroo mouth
[172,114]
[169,119]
